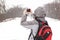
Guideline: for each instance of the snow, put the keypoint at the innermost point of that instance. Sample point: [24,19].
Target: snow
[13,30]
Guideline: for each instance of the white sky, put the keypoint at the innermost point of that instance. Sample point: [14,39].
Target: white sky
[33,4]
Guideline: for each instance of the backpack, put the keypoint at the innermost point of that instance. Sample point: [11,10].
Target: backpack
[44,32]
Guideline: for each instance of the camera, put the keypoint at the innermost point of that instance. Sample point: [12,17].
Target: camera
[28,10]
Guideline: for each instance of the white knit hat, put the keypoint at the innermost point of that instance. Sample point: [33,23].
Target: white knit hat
[40,12]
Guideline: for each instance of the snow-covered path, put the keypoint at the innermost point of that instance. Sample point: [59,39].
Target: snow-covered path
[12,30]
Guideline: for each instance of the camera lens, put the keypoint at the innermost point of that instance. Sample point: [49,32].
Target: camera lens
[28,10]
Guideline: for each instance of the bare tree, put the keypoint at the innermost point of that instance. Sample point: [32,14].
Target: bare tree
[53,10]
[57,1]
[2,6]
[12,13]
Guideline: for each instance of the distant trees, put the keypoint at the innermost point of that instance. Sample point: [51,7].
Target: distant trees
[56,0]
[12,13]
[2,6]
[53,10]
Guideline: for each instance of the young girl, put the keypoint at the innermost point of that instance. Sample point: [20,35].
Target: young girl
[33,23]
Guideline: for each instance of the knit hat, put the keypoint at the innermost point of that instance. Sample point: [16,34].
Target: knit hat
[40,12]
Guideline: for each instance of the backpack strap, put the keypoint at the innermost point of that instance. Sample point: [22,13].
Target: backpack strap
[31,34]
[41,24]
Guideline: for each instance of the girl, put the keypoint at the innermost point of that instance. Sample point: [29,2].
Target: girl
[33,23]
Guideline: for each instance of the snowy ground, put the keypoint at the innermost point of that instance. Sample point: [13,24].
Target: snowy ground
[12,30]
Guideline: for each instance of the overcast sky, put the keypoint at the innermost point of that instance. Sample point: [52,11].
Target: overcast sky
[33,4]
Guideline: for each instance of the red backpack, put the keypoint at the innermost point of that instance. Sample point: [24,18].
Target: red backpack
[44,32]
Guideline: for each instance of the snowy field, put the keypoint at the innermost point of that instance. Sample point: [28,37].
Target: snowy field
[12,30]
